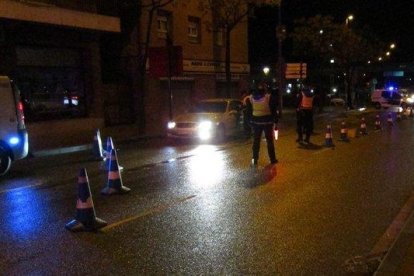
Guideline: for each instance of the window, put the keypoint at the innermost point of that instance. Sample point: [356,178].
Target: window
[163,23]
[194,29]
[218,37]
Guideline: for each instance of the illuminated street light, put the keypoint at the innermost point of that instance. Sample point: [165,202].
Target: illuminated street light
[379,58]
[392,46]
[349,19]
[387,53]
[369,62]
[266,70]
[321,31]
[332,60]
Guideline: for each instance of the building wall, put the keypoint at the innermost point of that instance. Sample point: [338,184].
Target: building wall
[203,75]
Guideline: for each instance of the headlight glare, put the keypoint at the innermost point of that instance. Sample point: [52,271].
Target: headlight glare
[171,125]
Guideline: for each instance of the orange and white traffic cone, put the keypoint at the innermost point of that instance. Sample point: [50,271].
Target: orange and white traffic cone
[114,183]
[363,127]
[344,133]
[85,219]
[97,147]
[377,123]
[109,147]
[389,119]
[328,137]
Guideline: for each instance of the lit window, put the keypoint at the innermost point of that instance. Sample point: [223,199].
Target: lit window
[163,22]
[193,29]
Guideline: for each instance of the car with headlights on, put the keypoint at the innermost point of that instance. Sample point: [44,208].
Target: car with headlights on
[208,120]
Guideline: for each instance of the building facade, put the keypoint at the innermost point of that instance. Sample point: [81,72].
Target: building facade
[75,61]
[203,59]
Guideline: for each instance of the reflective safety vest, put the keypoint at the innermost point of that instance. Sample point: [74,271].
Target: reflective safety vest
[307,102]
[261,106]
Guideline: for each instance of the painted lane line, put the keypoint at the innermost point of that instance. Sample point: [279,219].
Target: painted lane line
[153,211]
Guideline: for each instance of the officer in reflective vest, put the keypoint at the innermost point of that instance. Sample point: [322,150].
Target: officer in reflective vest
[262,108]
[304,115]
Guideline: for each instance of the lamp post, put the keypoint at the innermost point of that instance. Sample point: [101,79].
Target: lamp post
[281,35]
[349,19]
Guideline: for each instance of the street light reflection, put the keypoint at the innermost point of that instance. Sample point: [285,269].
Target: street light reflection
[207,166]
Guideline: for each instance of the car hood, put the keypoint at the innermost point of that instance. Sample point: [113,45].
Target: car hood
[197,117]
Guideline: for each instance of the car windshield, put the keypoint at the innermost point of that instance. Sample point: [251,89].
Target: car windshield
[209,107]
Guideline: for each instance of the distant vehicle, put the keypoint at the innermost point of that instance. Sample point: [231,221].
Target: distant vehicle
[14,143]
[212,119]
[336,101]
[385,98]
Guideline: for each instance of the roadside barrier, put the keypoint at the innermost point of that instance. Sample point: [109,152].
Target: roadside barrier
[344,133]
[97,147]
[328,137]
[363,127]
[377,123]
[114,183]
[85,219]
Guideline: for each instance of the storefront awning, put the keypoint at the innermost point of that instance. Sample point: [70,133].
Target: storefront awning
[48,14]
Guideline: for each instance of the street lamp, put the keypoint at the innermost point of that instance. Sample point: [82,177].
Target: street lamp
[349,19]
[266,70]
[392,46]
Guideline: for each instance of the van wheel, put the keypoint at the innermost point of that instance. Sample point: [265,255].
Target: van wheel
[5,161]
[377,105]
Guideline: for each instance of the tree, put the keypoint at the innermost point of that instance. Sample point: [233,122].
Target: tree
[319,39]
[226,15]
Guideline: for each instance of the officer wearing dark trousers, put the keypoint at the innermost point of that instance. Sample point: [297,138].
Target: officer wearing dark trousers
[304,116]
[262,108]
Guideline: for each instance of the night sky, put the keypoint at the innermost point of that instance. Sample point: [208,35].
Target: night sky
[389,20]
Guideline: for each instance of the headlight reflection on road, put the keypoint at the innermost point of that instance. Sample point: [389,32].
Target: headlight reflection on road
[206,167]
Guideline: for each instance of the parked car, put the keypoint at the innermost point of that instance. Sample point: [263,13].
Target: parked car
[14,144]
[212,119]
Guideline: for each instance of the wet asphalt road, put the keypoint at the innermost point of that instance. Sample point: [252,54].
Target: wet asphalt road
[200,209]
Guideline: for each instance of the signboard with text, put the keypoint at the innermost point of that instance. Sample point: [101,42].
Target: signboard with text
[296,71]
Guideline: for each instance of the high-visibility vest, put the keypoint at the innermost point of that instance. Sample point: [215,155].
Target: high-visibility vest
[261,106]
[307,102]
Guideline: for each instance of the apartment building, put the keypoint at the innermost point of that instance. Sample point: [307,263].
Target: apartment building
[203,59]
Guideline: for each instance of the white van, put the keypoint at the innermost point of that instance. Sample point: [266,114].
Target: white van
[14,142]
[386,98]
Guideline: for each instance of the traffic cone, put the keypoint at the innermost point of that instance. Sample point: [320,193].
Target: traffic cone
[344,133]
[377,123]
[389,119]
[97,147]
[328,137]
[363,127]
[85,219]
[114,183]
[109,147]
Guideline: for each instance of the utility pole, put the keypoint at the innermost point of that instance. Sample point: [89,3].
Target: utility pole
[170,49]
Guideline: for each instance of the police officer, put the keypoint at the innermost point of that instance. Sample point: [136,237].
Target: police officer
[262,108]
[304,116]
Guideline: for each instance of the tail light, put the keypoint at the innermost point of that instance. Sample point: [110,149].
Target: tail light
[20,115]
